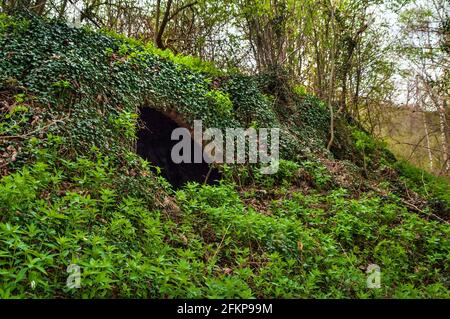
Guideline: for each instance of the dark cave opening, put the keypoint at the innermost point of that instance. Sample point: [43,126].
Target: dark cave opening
[155,145]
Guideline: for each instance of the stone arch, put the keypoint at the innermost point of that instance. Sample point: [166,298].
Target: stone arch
[154,144]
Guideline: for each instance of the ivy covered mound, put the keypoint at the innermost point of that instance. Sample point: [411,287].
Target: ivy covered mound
[72,190]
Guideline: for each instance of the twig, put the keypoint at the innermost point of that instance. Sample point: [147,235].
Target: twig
[221,242]
[207,175]
[345,253]
[10,137]
[4,164]
[417,209]
[414,207]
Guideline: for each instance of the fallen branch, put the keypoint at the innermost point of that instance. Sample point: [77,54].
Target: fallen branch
[11,137]
[417,209]
[412,206]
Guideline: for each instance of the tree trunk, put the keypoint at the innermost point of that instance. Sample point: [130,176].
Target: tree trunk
[331,84]
[427,138]
[62,9]
[444,139]
[159,42]
[158,14]
[39,7]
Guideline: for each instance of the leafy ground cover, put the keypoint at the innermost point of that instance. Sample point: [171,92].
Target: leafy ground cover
[72,191]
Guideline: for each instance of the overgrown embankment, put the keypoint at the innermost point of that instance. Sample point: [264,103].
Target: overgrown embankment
[73,192]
